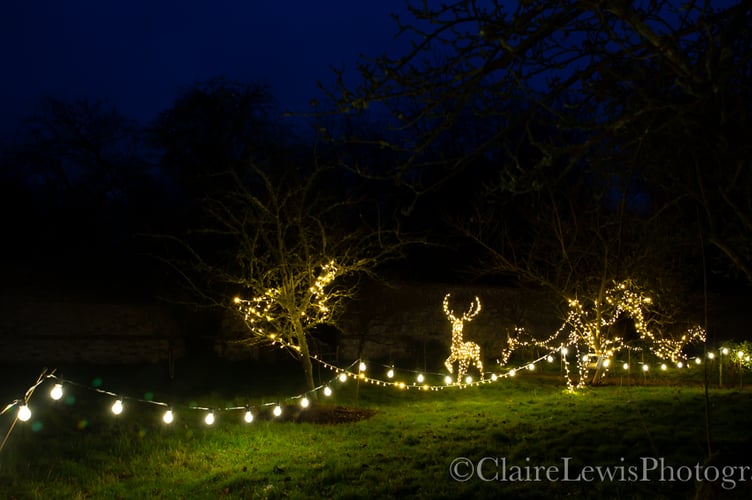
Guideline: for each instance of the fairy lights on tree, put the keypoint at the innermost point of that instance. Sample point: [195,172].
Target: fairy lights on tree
[290,310]
[462,352]
[588,335]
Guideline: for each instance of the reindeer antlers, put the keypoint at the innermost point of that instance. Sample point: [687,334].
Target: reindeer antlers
[469,315]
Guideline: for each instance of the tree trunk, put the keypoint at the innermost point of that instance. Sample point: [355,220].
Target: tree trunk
[305,359]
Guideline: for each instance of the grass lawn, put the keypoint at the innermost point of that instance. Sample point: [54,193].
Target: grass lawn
[75,448]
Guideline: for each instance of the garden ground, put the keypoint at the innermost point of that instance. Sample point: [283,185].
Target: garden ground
[377,442]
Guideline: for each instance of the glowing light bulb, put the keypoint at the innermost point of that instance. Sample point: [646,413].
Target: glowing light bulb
[531,367]
[362,366]
[168,417]
[725,351]
[550,358]
[645,368]
[469,380]
[24,413]
[494,377]
[327,391]
[711,355]
[698,361]
[304,402]
[117,407]
[606,362]
[512,373]
[420,378]
[57,392]
[248,417]
[585,358]
[342,377]
[680,364]
[740,354]
[209,418]
[448,380]
[390,373]
[664,367]
[625,366]
[277,411]
[564,351]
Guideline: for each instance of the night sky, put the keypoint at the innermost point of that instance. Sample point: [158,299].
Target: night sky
[139,54]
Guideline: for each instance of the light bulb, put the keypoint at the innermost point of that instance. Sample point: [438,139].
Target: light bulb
[248,417]
[277,411]
[342,377]
[117,407]
[168,417]
[421,378]
[390,373]
[24,413]
[469,380]
[740,354]
[564,351]
[531,367]
[448,380]
[664,367]
[680,364]
[585,358]
[304,402]
[494,377]
[362,366]
[625,366]
[698,361]
[606,362]
[550,358]
[57,392]
[512,373]
[645,368]
[209,418]
[711,355]
[725,350]
[327,391]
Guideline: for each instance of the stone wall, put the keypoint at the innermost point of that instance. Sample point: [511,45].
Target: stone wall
[49,330]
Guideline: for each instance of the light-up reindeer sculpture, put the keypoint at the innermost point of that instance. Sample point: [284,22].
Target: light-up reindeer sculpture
[462,352]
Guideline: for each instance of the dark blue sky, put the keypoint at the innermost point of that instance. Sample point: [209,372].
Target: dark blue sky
[138,54]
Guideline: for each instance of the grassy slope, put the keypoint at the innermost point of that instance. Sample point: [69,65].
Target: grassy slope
[82,451]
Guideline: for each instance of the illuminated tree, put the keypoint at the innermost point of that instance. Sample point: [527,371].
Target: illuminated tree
[278,236]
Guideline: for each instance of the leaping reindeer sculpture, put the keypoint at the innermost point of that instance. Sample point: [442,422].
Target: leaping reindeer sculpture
[462,352]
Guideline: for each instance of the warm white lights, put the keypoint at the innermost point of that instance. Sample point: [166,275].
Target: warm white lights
[304,402]
[531,367]
[168,417]
[24,413]
[664,367]
[711,355]
[277,411]
[625,366]
[420,378]
[725,351]
[468,379]
[645,368]
[460,351]
[362,366]
[447,380]
[117,407]
[390,373]
[248,417]
[343,377]
[56,392]
[698,361]
[327,391]
[209,418]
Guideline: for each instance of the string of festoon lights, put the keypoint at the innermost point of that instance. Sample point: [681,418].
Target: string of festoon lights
[573,339]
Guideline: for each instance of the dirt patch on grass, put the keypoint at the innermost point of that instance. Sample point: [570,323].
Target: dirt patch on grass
[328,415]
